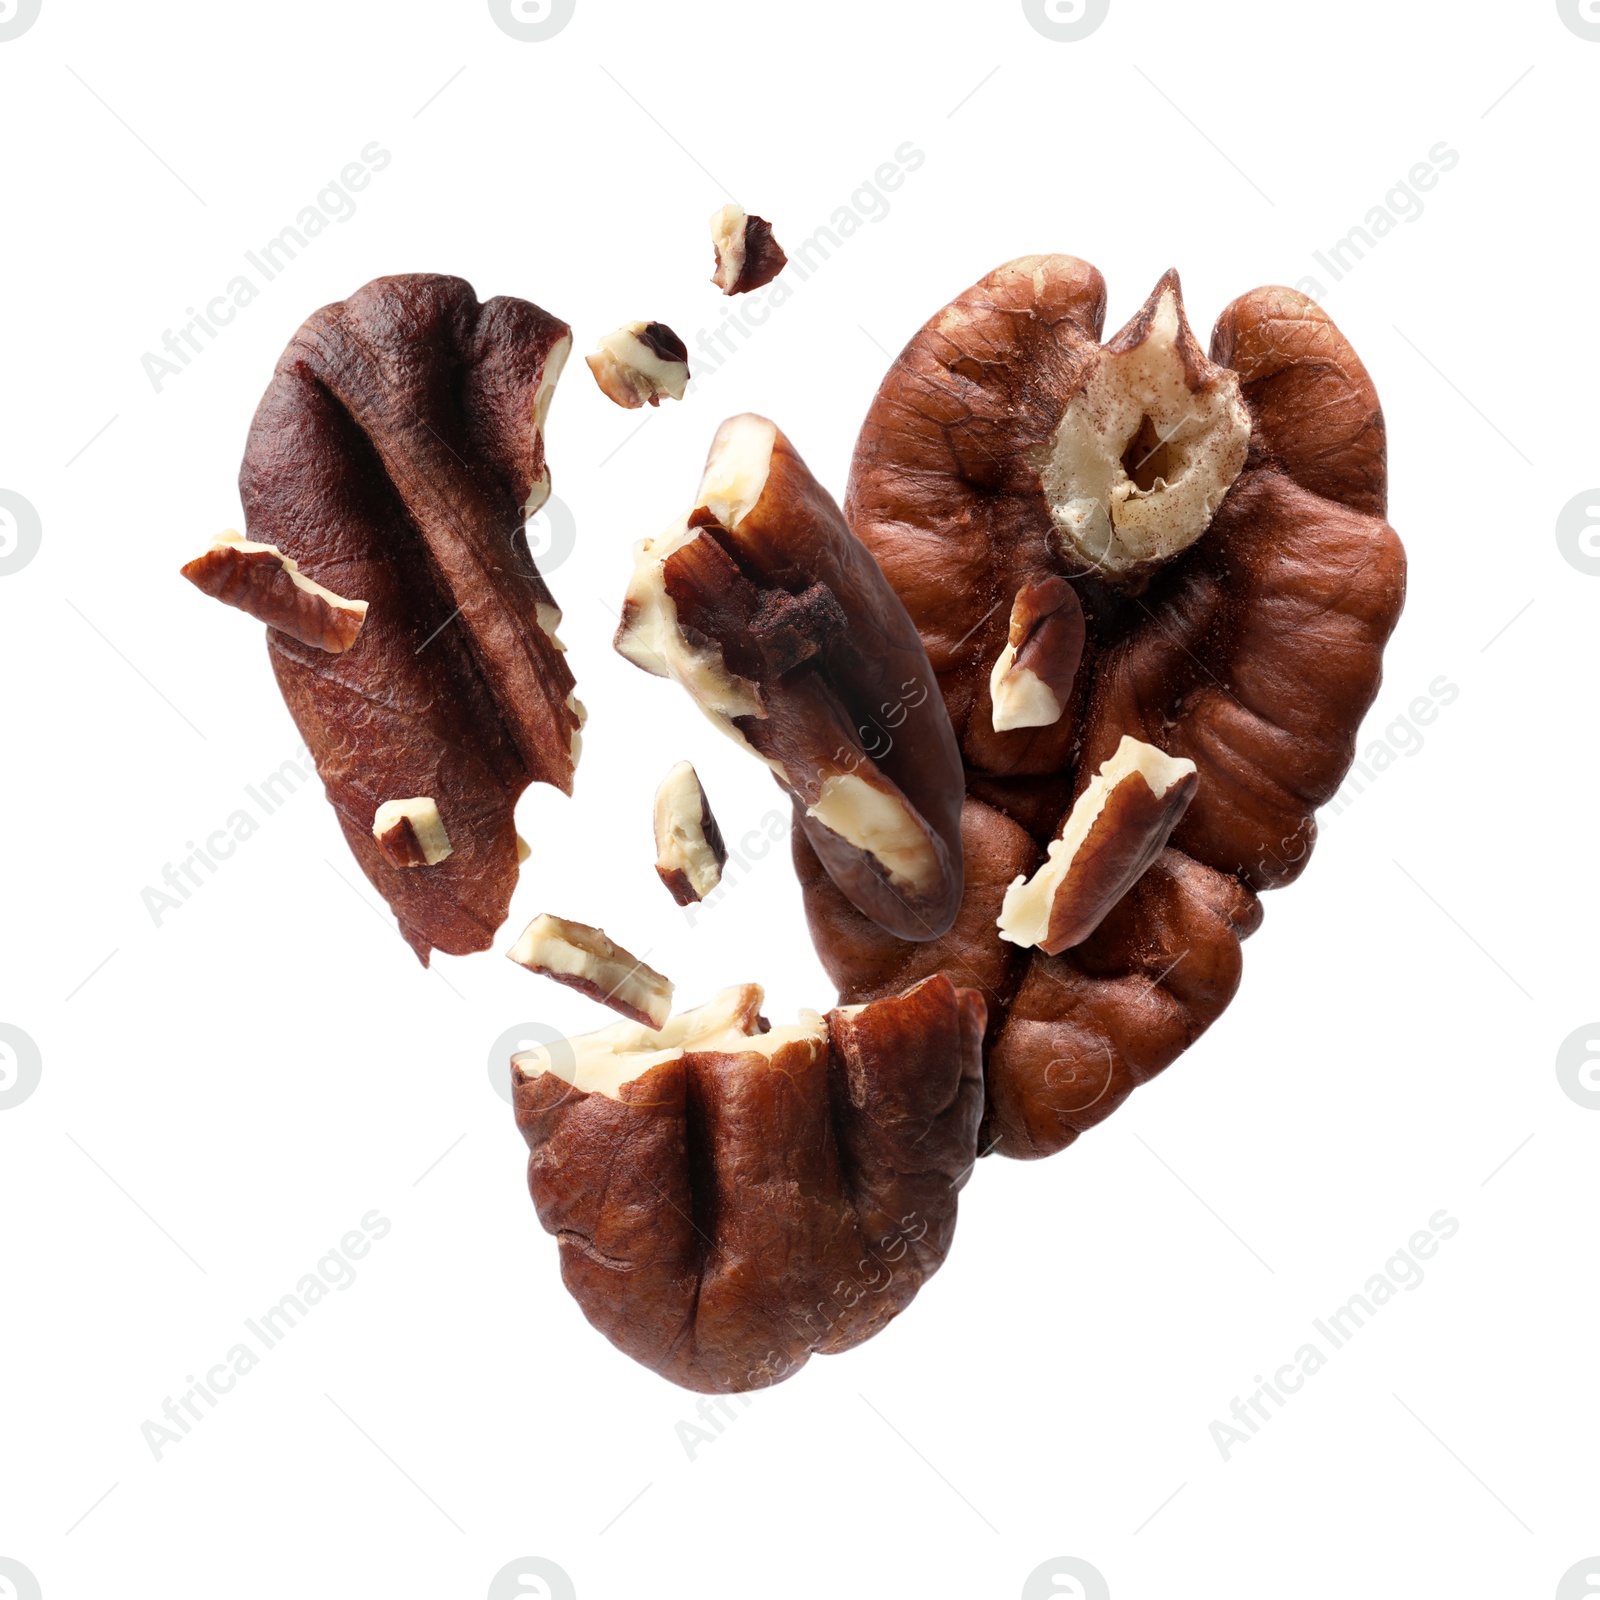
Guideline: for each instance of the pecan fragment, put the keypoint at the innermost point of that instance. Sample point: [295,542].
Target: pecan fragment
[747,254]
[1031,682]
[398,451]
[761,604]
[639,363]
[690,854]
[261,581]
[583,958]
[411,833]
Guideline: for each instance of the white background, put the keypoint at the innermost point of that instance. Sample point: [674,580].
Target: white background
[224,1095]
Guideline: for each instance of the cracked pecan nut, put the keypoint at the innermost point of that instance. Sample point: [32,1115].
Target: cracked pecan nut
[690,853]
[1221,520]
[748,257]
[395,456]
[775,619]
[731,1199]
[583,958]
[639,363]
[264,583]
[411,833]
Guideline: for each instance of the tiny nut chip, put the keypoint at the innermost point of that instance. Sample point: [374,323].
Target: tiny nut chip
[690,854]
[411,833]
[639,363]
[747,254]
[261,581]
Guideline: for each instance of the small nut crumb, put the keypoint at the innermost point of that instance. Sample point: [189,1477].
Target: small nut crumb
[260,580]
[411,833]
[690,854]
[1032,678]
[639,363]
[1117,827]
[583,958]
[747,254]
[524,849]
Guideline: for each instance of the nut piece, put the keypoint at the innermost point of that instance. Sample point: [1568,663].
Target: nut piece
[400,447]
[747,254]
[1118,826]
[260,580]
[411,833]
[783,630]
[1031,681]
[690,853]
[583,958]
[1148,445]
[640,362]
[731,1199]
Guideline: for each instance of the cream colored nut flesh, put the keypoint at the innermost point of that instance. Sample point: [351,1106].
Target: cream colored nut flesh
[583,958]
[1117,827]
[727,237]
[690,853]
[1147,448]
[728,1024]
[411,833]
[639,363]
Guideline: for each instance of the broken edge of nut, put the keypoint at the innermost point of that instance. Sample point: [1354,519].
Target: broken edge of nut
[261,581]
[1031,681]
[411,833]
[690,853]
[1117,827]
[639,363]
[583,958]
[748,256]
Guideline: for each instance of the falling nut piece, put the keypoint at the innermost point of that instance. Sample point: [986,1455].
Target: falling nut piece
[261,581]
[411,833]
[1032,678]
[1118,826]
[747,254]
[690,854]
[639,363]
[584,959]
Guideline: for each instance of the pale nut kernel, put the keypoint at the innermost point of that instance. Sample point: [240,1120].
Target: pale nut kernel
[1148,446]
[411,833]
[639,363]
[1031,681]
[261,581]
[1118,826]
[690,854]
[583,958]
[747,254]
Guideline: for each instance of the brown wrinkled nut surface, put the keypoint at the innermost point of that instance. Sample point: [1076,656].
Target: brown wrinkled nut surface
[395,456]
[1250,643]
[748,257]
[751,1201]
[261,581]
[583,958]
[778,623]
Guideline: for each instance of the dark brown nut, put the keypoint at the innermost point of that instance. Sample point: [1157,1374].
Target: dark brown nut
[1222,523]
[1116,829]
[261,581]
[411,833]
[778,623]
[639,363]
[747,254]
[583,958]
[1030,684]
[731,1199]
[690,854]
[396,455]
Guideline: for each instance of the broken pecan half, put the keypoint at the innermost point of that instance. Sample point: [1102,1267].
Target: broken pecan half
[1220,520]
[732,1198]
[763,606]
[261,581]
[395,456]
[583,958]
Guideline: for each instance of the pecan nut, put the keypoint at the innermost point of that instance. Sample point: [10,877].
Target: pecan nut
[264,583]
[583,958]
[747,255]
[639,363]
[690,853]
